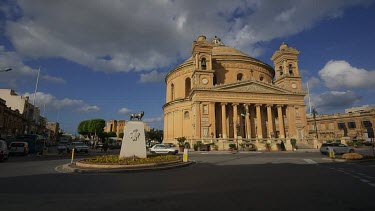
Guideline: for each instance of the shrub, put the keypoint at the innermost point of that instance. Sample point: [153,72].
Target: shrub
[181,141]
[267,146]
[293,142]
[352,156]
[232,146]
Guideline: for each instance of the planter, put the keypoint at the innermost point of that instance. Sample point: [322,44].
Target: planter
[181,148]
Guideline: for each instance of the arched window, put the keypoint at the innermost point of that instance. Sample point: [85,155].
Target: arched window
[186,115]
[281,70]
[239,77]
[187,87]
[261,77]
[290,69]
[203,64]
[172,92]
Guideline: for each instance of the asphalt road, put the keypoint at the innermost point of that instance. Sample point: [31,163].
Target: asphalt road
[243,181]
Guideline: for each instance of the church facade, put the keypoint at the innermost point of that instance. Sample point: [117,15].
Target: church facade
[221,93]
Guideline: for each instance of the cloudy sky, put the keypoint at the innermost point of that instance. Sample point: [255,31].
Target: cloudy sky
[108,58]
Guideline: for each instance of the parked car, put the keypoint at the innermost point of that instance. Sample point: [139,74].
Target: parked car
[338,148]
[170,144]
[163,149]
[4,152]
[62,146]
[19,147]
[78,147]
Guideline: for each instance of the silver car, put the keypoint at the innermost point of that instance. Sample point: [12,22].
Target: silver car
[338,148]
[163,149]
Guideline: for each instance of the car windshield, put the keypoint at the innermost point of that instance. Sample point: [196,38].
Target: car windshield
[17,145]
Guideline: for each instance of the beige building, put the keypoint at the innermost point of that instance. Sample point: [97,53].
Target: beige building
[11,121]
[222,93]
[352,124]
[53,130]
[118,126]
[33,122]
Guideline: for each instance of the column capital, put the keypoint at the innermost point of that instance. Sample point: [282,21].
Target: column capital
[269,105]
[235,104]
[279,105]
[258,104]
[223,104]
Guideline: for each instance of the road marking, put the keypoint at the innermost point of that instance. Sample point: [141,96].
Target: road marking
[363,180]
[309,161]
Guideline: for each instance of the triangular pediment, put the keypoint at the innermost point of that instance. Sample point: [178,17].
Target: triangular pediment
[252,86]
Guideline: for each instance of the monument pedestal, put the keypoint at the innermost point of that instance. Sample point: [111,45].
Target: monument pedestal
[133,142]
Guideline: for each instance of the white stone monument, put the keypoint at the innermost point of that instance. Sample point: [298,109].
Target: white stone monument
[133,142]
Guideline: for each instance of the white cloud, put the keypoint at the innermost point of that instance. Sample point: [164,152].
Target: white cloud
[145,35]
[51,102]
[334,100]
[88,109]
[153,76]
[20,72]
[124,111]
[313,82]
[154,120]
[340,74]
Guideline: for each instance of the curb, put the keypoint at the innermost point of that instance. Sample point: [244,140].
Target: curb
[72,168]
[349,161]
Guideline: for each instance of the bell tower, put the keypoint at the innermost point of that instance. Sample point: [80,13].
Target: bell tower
[202,54]
[285,62]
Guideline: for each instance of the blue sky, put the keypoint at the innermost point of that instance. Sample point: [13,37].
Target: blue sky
[106,59]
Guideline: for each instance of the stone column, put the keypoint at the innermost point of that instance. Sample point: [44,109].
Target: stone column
[259,121]
[211,111]
[247,119]
[235,119]
[281,121]
[270,120]
[224,120]
[197,119]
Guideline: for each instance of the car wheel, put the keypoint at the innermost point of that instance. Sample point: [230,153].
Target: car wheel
[351,150]
[152,152]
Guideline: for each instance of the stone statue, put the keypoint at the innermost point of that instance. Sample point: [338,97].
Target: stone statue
[138,115]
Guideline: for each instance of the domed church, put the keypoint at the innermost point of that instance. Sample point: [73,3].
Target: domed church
[221,93]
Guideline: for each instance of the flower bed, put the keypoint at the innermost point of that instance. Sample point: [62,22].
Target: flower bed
[115,160]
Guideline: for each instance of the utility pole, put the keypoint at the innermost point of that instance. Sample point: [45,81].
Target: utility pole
[314,113]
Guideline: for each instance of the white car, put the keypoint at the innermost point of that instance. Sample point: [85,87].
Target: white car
[338,148]
[163,149]
[78,147]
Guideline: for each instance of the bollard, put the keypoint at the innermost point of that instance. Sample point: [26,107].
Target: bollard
[331,152]
[185,156]
[72,156]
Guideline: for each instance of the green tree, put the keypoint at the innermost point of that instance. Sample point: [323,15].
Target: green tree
[154,134]
[96,126]
[121,135]
[83,127]
[112,134]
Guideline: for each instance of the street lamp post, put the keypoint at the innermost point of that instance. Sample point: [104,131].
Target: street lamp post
[314,113]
